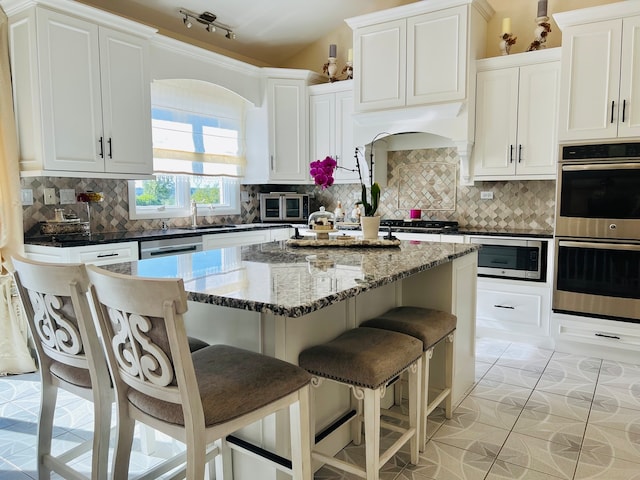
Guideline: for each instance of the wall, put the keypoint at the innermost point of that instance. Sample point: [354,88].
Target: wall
[113,213]
[427,179]
[521,12]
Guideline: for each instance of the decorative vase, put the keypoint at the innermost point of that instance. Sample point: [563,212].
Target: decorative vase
[370,227]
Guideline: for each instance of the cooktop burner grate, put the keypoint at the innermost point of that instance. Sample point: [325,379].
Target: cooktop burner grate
[441,225]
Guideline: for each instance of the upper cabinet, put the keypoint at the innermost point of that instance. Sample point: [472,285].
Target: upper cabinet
[277,143]
[81,95]
[600,72]
[331,127]
[416,60]
[516,111]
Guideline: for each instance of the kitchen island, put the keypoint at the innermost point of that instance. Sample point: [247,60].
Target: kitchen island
[278,300]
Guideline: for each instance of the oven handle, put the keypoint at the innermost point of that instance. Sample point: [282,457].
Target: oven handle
[605,166]
[601,246]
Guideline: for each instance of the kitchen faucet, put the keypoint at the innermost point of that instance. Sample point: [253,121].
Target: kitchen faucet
[194,214]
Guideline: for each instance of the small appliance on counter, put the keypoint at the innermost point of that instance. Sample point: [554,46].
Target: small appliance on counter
[284,207]
[64,223]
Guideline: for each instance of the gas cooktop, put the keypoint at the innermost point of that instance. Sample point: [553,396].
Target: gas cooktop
[430,226]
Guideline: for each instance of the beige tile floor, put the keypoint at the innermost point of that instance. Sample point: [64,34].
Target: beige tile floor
[533,414]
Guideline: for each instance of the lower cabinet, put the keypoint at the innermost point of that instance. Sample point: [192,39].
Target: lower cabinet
[513,310]
[237,239]
[93,254]
[598,337]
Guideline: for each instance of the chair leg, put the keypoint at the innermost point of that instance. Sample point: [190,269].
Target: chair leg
[224,461]
[424,414]
[449,370]
[356,424]
[196,455]
[101,434]
[124,442]
[372,432]
[415,399]
[300,425]
[48,398]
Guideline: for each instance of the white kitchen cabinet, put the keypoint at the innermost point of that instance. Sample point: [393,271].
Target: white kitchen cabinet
[81,95]
[331,127]
[415,60]
[516,116]
[92,254]
[600,73]
[235,239]
[612,339]
[512,309]
[277,132]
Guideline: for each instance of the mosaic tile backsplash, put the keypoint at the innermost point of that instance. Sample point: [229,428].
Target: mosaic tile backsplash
[424,179]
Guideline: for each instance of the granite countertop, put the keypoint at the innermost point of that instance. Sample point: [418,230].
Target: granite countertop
[504,232]
[291,281]
[143,235]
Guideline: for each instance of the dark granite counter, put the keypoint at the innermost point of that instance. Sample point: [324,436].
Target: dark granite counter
[504,232]
[292,281]
[78,240]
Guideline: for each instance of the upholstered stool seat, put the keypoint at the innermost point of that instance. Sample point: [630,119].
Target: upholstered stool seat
[367,359]
[431,327]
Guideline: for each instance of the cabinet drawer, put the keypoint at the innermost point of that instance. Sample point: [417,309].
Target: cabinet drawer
[597,332]
[235,239]
[106,254]
[517,311]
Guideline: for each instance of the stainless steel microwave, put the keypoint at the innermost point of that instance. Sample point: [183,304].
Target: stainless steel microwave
[512,258]
[284,207]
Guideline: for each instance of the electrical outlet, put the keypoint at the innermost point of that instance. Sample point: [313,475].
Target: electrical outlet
[49,196]
[486,195]
[244,196]
[26,195]
[67,196]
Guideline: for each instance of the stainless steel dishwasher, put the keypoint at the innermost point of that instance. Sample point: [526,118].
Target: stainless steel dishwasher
[170,246]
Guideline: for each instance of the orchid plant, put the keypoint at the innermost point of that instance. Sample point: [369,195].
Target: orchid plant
[322,173]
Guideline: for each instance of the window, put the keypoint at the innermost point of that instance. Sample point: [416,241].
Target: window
[198,151]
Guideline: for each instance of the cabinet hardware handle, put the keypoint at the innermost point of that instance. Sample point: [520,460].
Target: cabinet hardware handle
[508,307]
[613,102]
[110,150]
[105,255]
[510,153]
[624,108]
[606,335]
[272,163]
[101,148]
[520,153]
[172,250]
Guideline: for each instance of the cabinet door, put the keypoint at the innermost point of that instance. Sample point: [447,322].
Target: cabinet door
[629,115]
[590,81]
[496,122]
[322,126]
[126,103]
[436,56]
[287,130]
[380,66]
[69,62]
[344,139]
[537,119]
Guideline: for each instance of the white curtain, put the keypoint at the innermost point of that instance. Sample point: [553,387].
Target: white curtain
[14,353]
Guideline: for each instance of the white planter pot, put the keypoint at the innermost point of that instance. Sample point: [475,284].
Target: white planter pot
[370,227]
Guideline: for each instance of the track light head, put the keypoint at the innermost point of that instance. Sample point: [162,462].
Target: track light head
[186,22]
[230,35]
[210,28]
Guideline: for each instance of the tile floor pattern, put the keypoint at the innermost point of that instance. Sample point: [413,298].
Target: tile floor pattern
[532,414]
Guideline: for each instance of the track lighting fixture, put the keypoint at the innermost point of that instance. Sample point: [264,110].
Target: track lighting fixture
[208,19]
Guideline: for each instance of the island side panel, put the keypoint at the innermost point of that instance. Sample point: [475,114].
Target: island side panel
[450,287]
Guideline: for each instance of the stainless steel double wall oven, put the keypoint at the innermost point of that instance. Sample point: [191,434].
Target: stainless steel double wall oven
[597,267]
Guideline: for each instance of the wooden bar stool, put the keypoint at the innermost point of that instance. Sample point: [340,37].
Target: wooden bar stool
[367,360]
[431,327]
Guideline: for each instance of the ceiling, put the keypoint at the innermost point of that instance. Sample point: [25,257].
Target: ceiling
[267,32]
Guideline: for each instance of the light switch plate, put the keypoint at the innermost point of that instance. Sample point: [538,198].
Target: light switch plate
[26,195]
[67,196]
[49,196]
[244,196]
